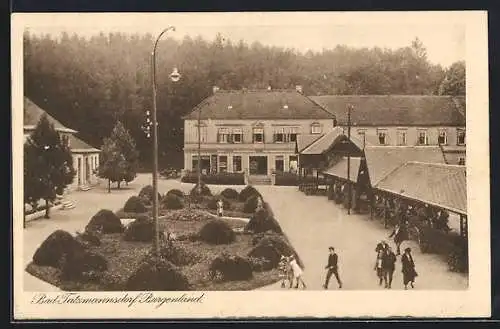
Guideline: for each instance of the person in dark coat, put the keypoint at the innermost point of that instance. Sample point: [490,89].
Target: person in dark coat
[332,267]
[388,266]
[400,234]
[409,273]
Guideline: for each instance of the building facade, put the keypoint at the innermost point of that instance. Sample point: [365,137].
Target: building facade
[251,131]
[85,157]
[412,120]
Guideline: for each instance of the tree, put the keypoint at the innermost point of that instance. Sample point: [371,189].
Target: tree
[48,165]
[119,157]
[454,80]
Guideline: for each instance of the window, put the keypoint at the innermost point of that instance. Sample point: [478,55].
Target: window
[237,135]
[65,140]
[223,136]
[279,135]
[258,135]
[461,161]
[236,163]
[422,137]
[382,137]
[402,137]
[315,128]
[460,136]
[279,163]
[292,136]
[442,138]
[223,163]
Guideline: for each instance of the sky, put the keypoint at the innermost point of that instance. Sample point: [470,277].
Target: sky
[443,35]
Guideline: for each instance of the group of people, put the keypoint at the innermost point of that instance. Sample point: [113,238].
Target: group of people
[385,265]
[290,271]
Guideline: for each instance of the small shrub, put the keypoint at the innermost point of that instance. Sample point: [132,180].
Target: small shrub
[271,248]
[247,192]
[205,191]
[147,193]
[458,257]
[89,237]
[55,247]
[230,268]
[82,264]
[134,204]
[212,202]
[163,276]
[177,255]
[230,193]
[172,201]
[106,222]
[260,264]
[176,192]
[217,232]
[251,204]
[142,229]
[262,222]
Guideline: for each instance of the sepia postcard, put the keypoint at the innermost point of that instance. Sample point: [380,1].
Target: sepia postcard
[250,165]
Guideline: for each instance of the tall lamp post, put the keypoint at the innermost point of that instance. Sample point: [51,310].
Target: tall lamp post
[349,201]
[174,76]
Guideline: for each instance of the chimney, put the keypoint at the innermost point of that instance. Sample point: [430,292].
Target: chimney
[215,89]
[298,88]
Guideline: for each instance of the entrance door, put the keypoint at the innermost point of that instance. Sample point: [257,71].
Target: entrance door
[258,165]
[279,163]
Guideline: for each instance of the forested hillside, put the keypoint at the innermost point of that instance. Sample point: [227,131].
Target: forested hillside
[89,83]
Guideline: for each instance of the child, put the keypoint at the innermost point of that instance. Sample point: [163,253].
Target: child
[283,270]
[220,207]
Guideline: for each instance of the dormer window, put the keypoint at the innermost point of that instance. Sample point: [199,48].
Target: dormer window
[65,140]
[315,128]
[258,135]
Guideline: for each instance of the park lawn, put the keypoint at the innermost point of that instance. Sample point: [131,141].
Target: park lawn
[124,257]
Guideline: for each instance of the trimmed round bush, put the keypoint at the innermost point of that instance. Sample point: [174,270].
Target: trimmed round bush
[55,247]
[271,248]
[230,193]
[247,192]
[134,204]
[251,204]
[230,268]
[205,190]
[142,229]
[105,221]
[147,193]
[262,222]
[176,192]
[217,232]
[212,202]
[163,276]
[82,264]
[172,201]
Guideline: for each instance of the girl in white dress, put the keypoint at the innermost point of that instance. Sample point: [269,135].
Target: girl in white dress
[297,272]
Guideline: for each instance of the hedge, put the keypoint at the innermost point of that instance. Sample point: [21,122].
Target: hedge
[135,205]
[55,247]
[217,232]
[286,179]
[104,221]
[247,192]
[216,179]
[172,201]
[230,193]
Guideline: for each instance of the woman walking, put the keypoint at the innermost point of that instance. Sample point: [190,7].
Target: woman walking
[409,273]
[297,272]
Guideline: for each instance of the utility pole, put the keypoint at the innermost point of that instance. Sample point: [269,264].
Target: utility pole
[349,201]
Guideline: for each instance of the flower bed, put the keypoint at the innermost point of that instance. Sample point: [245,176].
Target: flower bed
[192,256]
[216,179]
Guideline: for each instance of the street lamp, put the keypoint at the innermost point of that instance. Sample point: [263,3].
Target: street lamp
[349,108]
[174,76]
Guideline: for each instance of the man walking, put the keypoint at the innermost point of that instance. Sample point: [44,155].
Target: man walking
[332,267]
[388,266]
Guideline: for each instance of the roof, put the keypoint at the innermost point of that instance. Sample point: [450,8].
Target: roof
[340,169]
[324,142]
[77,145]
[401,110]
[437,184]
[258,104]
[33,113]
[304,140]
[381,160]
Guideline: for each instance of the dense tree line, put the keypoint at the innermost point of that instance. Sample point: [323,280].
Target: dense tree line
[91,83]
